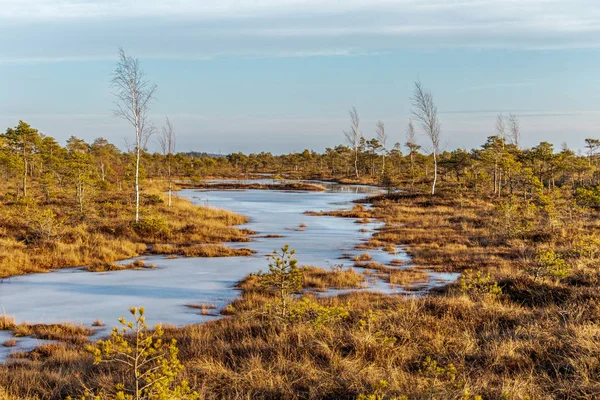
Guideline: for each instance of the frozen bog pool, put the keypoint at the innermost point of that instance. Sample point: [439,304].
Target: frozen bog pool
[81,297]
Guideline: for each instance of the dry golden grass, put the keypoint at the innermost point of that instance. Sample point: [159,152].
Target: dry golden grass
[537,340]
[31,241]
[358,211]
[437,234]
[98,266]
[61,332]
[318,278]
[363,257]
[497,350]
[214,250]
[6,395]
[408,276]
[7,322]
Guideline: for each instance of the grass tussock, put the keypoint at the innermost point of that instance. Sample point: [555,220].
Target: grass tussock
[358,211]
[338,278]
[408,276]
[201,250]
[363,257]
[7,322]
[215,250]
[99,266]
[395,276]
[69,333]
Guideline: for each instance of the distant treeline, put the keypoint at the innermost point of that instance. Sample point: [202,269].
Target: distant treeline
[197,154]
[31,161]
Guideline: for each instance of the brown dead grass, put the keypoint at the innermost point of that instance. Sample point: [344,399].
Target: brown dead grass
[62,332]
[538,340]
[363,257]
[105,233]
[497,349]
[106,267]
[7,322]
[214,250]
[318,278]
[437,234]
[408,276]
[358,211]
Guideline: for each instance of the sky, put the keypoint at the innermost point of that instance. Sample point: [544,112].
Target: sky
[281,75]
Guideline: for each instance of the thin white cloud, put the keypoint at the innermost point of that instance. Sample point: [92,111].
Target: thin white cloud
[34,31]
[537,15]
[191,57]
[566,13]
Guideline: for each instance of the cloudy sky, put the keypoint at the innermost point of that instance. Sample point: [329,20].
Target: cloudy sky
[280,75]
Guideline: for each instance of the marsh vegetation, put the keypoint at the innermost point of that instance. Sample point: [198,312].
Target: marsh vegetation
[519,225]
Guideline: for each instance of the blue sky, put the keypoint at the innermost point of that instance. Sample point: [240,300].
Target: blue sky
[280,75]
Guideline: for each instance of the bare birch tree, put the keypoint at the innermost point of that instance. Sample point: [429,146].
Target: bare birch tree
[353,136]
[167,145]
[500,127]
[382,137]
[411,144]
[499,152]
[425,112]
[134,93]
[514,129]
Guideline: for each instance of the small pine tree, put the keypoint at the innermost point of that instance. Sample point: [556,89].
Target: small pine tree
[479,286]
[284,278]
[548,264]
[152,363]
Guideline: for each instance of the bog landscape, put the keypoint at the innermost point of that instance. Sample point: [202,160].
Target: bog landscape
[389,265]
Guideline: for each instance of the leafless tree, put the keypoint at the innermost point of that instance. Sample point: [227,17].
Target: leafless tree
[134,93]
[353,136]
[514,129]
[167,145]
[499,153]
[411,144]
[500,127]
[425,112]
[382,137]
